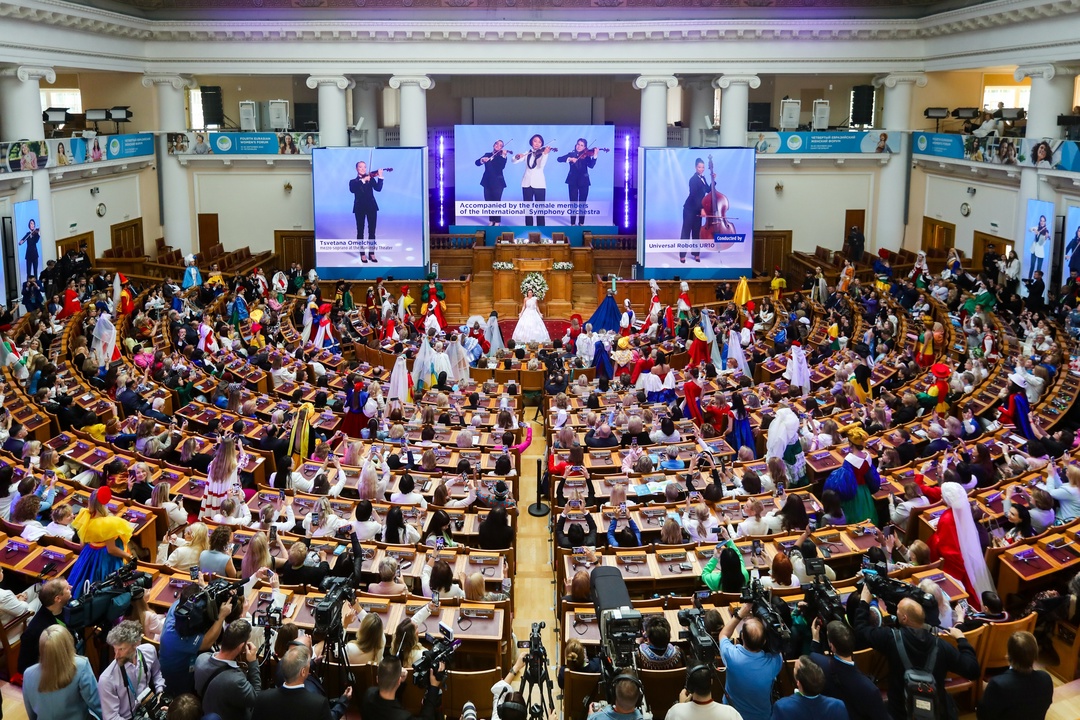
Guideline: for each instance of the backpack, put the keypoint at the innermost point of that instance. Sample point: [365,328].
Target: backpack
[920,687]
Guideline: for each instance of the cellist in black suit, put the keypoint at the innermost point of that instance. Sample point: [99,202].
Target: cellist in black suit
[692,209]
[493,181]
[577,177]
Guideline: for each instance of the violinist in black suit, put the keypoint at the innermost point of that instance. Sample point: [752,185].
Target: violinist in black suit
[693,212]
[493,181]
[365,208]
[577,178]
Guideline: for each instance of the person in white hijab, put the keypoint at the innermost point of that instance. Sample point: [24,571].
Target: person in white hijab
[493,334]
[782,441]
[797,371]
[441,362]
[586,345]
[967,537]
[459,359]
[104,343]
[735,351]
[423,365]
[399,381]
[307,334]
[389,306]
[715,352]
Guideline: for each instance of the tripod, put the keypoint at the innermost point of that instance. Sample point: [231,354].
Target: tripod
[536,677]
[334,651]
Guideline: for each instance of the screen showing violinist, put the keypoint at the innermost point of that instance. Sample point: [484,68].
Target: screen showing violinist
[697,212]
[534,175]
[370,211]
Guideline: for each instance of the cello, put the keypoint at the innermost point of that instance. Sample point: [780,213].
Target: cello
[715,206]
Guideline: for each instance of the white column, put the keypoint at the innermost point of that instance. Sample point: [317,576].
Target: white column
[333,132]
[892,183]
[20,119]
[654,108]
[702,96]
[735,107]
[1051,95]
[599,105]
[413,90]
[175,191]
[365,102]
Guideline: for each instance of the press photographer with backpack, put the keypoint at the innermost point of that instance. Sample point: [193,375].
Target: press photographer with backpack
[919,660]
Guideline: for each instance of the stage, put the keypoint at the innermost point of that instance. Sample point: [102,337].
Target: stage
[556,327]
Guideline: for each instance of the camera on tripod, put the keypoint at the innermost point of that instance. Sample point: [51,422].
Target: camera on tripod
[327,613]
[822,600]
[107,600]
[199,613]
[441,652]
[777,633]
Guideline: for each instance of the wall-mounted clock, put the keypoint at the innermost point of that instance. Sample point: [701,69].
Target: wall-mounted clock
[965,209]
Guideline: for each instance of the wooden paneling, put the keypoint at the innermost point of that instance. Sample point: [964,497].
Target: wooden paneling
[771,250]
[295,246]
[127,238]
[702,292]
[73,242]
[980,241]
[937,235]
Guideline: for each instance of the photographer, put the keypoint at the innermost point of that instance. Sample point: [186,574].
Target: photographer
[504,690]
[292,699]
[918,642]
[750,669]
[381,701]
[229,680]
[134,670]
[297,572]
[178,652]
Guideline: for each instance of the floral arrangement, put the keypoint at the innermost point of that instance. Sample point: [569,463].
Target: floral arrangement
[562,266]
[502,266]
[534,281]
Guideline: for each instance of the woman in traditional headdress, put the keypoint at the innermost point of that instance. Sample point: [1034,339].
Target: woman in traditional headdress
[956,541]
[858,461]
[400,386]
[607,316]
[684,304]
[699,346]
[105,537]
[783,441]
[104,344]
[626,322]
[355,399]
[192,276]
[797,372]
[602,361]
[324,336]
[493,334]
[1016,411]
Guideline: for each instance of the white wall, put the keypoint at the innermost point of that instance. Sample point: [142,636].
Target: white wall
[813,202]
[989,205]
[252,204]
[73,204]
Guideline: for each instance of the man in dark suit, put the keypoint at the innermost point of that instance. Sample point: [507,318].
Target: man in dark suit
[54,597]
[577,178]
[381,700]
[365,208]
[292,699]
[843,680]
[1036,300]
[493,181]
[809,703]
[16,439]
[692,212]
[1021,691]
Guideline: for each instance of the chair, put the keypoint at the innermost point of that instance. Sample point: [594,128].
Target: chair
[1066,642]
[579,689]
[505,376]
[994,654]
[662,688]
[956,685]
[474,687]
[11,647]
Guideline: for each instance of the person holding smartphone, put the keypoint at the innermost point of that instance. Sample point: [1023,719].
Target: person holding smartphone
[575,532]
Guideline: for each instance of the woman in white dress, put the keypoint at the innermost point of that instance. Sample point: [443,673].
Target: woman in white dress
[530,325]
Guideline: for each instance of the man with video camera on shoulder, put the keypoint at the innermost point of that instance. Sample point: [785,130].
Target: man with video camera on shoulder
[381,701]
[751,668]
[919,660]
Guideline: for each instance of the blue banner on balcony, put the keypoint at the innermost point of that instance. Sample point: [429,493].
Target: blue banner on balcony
[822,143]
[938,144]
[246,143]
[127,146]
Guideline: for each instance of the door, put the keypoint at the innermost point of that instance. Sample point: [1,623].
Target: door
[294,246]
[937,235]
[856,218]
[980,241]
[208,232]
[771,250]
[73,242]
[127,238]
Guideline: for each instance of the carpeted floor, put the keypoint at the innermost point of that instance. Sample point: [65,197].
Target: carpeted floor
[555,328]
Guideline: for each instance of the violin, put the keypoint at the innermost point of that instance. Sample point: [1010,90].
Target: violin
[376,173]
[715,204]
[592,151]
[538,152]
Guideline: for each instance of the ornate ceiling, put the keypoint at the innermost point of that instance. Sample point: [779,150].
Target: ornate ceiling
[537,9]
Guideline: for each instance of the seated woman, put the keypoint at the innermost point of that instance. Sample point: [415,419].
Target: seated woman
[781,574]
[216,559]
[389,579]
[726,570]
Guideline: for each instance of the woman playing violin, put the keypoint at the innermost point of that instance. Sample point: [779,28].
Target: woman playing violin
[580,160]
[533,182]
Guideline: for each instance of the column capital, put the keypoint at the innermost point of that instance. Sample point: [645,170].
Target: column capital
[1043,71]
[339,81]
[178,82]
[726,81]
[421,81]
[699,82]
[367,83]
[918,79]
[643,81]
[25,73]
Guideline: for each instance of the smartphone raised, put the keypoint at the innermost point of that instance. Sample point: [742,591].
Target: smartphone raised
[440,542]
[435,598]
[755,547]
[281,495]
[273,533]
[194,572]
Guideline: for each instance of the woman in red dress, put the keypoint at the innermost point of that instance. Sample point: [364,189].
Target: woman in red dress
[956,540]
[435,304]
[699,348]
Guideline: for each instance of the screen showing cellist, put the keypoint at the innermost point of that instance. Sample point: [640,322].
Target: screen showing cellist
[370,206]
[698,211]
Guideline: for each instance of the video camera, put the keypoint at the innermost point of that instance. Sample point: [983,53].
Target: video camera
[822,600]
[106,601]
[777,633]
[620,623]
[441,652]
[199,613]
[892,591]
[703,647]
[327,613]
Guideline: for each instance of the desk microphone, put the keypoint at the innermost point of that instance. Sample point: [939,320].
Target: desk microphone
[49,569]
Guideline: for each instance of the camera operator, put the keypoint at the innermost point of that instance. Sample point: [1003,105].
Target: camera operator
[178,652]
[133,671]
[696,700]
[627,698]
[843,680]
[918,642]
[294,699]
[751,670]
[54,597]
[229,680]
[381,701]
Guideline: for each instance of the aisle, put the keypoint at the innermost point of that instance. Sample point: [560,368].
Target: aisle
[534,593]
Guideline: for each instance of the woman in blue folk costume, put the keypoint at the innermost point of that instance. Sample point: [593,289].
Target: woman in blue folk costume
[105,537]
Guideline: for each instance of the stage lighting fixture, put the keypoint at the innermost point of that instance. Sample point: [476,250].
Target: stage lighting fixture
[55,116]
[936,113]
[120,114]
[1013,113]
[966,113]
[97,115]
